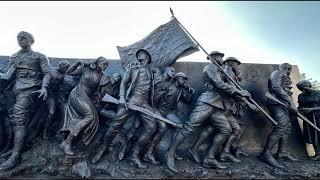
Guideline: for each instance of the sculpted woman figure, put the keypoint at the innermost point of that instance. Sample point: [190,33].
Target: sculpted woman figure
[80,113]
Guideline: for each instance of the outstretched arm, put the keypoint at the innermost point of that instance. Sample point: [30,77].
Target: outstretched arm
[75,69]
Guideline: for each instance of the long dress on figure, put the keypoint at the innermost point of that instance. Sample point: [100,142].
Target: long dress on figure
[80,113]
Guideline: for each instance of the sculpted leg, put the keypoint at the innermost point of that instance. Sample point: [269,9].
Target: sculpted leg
[21,113]
[114,127]
[194,150]
[146,135]
[281,115]
[210,161]
[237,148]
[220,122]
[225,154]
[178,138]
[34,128]
[282,151]
[130,134]
[316,157]
[48,121]
[149,156]
[15,158]
[10,136]
[266,155]
[198,116]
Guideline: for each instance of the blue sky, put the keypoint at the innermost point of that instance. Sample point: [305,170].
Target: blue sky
[254,32]
[289,28]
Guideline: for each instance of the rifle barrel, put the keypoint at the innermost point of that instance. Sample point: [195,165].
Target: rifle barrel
[307,120]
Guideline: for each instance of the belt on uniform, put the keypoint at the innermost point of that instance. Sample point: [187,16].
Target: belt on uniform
[28,74]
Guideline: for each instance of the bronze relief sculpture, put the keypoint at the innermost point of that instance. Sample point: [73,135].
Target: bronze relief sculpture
[96,106]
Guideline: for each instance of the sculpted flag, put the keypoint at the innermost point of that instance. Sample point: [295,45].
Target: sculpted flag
[165,44]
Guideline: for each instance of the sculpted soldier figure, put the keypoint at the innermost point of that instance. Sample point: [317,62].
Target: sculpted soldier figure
[167,106]
[111,86]
[108,85]
[136,88]
[161,82]
[279,85]
[309,106]
[80,114]
[234,110]
[31,73]
[209,107]
[55,94]
[235,106]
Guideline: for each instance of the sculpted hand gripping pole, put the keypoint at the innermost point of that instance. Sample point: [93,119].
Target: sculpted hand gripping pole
[219,67]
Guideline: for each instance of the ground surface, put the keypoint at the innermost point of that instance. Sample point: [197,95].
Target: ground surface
[44,159]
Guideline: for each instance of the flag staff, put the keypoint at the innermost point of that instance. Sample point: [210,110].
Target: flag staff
[219,67]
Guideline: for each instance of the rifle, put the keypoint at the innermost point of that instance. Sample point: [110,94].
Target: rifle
[219,67]
[271,97]
[310,109]
[110,99]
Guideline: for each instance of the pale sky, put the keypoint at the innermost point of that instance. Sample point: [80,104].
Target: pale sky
[254,32]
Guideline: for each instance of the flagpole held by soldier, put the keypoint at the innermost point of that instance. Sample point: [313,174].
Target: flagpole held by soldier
[220,68]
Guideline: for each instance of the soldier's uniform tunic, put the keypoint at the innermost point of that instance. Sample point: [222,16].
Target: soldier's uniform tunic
[209,101]
[29,75]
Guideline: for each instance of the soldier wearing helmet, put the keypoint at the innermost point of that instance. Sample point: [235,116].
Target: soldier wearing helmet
[279,85]
[234,109]
[135,88]
[161,82]
[167,103]
[209,107]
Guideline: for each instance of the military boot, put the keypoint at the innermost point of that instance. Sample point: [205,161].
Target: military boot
[97,157]
[286,156]
[225,154]
[238,151]
[122,151]
[194,150]
[210,161]
[171,153]
[170,162]
[149,156]
[282,152]
[268,158]
[135,157]
[266,155]
[316,157]
[13,160]
[194,154]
